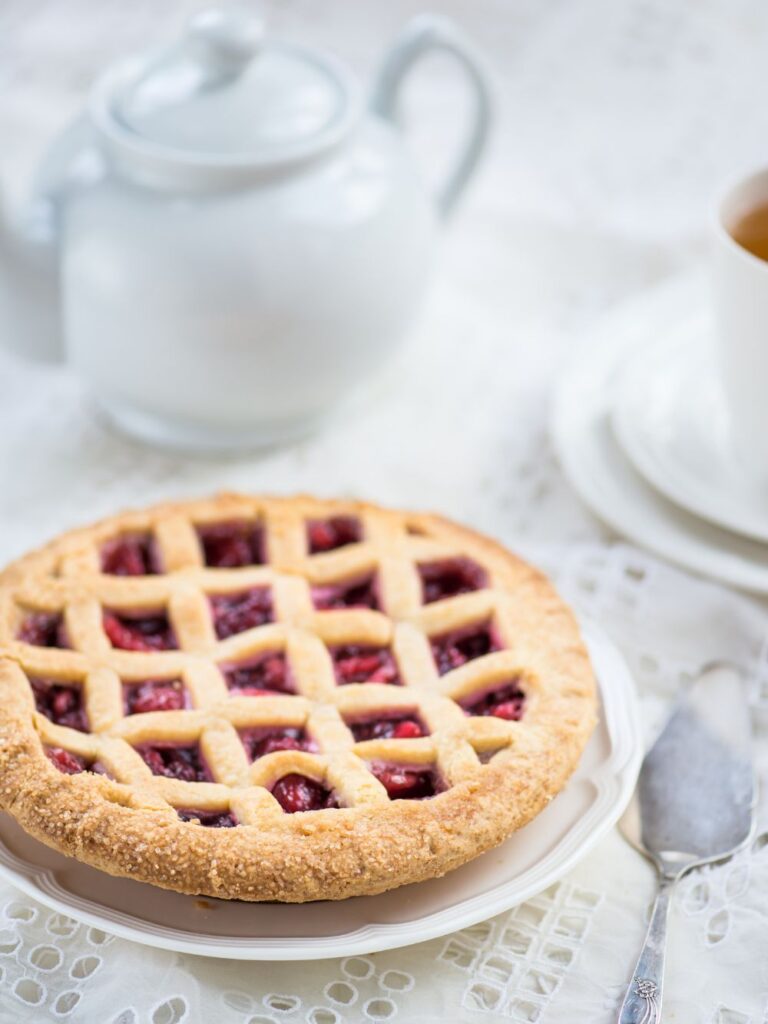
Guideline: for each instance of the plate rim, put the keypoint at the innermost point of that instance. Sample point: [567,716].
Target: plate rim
[621,712]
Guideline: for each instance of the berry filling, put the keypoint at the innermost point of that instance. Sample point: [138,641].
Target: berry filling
[232,545]
[60,703]
[185,763]
[352,594]
[392,728]
[336,532]
[260,742]
[454,649]
[139,633]
[355,664]
[209,819]
[234,613]
[269,674]
[299,793]
[154,695]
[405,783]
[450,577]
[504,702]
[43,629]
[130,556]
[73,764]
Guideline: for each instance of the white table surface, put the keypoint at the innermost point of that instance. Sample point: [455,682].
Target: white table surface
[616,123]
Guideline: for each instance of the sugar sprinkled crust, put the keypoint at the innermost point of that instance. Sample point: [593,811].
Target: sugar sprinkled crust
[497,774]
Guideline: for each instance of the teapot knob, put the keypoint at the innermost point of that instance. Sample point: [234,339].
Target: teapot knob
[224,40]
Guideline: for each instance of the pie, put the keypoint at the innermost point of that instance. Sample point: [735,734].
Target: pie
[283,698]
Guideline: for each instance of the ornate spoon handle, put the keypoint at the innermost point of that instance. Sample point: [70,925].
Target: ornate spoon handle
[642,1003]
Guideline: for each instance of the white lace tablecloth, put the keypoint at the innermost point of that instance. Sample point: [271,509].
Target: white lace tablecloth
[616,123]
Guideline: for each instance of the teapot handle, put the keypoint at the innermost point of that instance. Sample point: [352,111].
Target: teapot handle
[422,34]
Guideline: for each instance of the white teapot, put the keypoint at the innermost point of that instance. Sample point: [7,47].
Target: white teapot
[229,238]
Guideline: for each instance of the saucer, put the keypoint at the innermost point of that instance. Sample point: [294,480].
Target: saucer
[600,472]
[669,416]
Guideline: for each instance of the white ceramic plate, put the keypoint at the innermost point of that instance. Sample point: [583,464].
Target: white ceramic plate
[526,864]
[603,476]
[669,417]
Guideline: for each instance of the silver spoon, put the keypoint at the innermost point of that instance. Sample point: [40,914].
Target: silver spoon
[694,804]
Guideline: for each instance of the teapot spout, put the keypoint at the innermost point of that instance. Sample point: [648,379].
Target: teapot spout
[30,307]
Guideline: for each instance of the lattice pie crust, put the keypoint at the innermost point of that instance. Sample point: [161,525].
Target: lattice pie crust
[405,694]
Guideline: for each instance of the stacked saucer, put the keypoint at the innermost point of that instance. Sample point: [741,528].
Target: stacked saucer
[641,430]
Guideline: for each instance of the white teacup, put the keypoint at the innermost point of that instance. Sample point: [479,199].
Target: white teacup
[741,321]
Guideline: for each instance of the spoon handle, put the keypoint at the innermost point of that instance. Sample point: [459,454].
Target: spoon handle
[642,1003]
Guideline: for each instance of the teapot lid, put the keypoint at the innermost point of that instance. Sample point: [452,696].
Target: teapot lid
[227,94]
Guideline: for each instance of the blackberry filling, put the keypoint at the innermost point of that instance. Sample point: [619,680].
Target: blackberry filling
[60,703]
[232,545]
[297,793]
[209,819]
[72,764]
[450,577]
[43,629]
[235,613]
[174,762]
[336,532]
[154,695]
[268,674]
[506,702]
[260,742]
[356,664]
[407,727]
[454,649]
[405,783]
[357,594]
[139,633]
[130,556]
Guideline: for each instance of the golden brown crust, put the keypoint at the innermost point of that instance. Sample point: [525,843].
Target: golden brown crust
[129,827]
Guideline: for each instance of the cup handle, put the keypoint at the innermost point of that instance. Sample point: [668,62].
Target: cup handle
[422,34]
